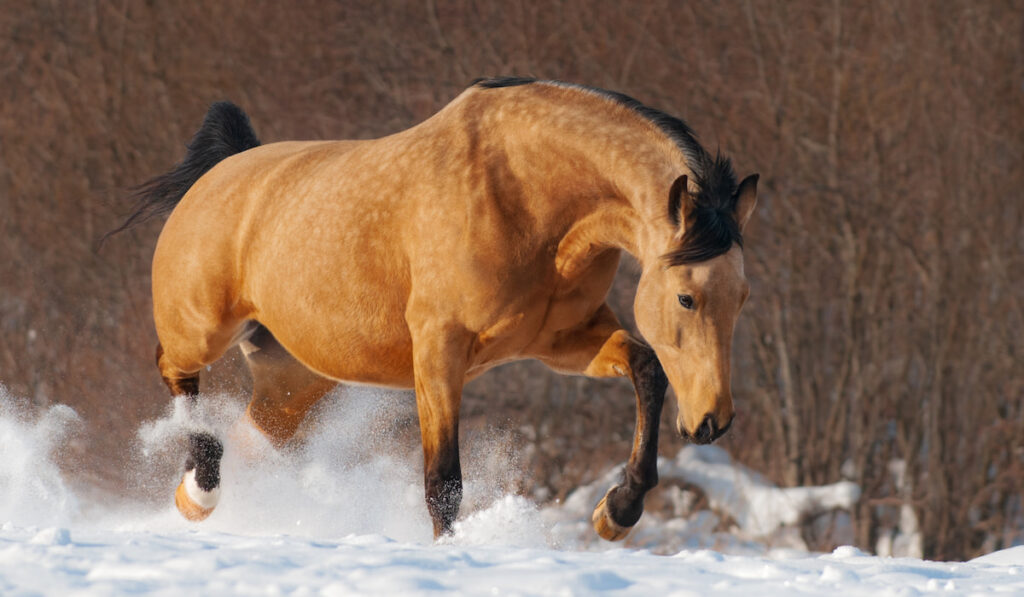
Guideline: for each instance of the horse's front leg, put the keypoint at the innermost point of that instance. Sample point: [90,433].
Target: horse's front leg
[622,506]
[601,348]
[439,362]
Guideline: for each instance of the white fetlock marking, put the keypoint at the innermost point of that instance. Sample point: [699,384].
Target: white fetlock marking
[201,498]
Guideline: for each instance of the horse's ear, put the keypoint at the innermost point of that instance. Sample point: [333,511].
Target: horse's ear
[679,201]
[746,200]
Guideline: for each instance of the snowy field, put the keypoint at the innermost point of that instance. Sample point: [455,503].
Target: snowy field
[343,515]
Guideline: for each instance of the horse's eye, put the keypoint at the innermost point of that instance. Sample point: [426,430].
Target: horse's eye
[686,301]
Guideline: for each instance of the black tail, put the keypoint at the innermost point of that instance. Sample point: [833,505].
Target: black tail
[226,131]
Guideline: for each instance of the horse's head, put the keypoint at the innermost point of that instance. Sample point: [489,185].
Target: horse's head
[688,301]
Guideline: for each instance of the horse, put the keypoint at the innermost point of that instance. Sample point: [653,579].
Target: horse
[488,233]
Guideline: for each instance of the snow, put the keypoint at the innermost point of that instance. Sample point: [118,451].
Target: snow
[200,562]
[1005,557]
[343,515]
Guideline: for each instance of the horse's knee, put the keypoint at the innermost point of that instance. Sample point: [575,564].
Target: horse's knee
[178,381]
[199,491]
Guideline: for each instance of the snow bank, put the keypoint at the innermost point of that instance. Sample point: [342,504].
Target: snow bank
[757,506]
[1013,556]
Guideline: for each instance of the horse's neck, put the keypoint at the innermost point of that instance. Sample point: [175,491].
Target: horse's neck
[617,166]
[635,222]
[640,168]
[636,218]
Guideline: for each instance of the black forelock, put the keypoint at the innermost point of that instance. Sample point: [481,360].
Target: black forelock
[711,226]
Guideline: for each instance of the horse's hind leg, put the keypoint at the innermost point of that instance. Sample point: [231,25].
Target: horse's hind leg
[283,388]
[187,345]
[199,490]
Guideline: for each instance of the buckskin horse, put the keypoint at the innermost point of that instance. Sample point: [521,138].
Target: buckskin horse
[488,233]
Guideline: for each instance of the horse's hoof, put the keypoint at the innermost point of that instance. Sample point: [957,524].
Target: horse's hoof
[193,502]
[608,529]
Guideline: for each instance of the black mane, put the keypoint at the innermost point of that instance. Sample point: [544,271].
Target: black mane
[711,223]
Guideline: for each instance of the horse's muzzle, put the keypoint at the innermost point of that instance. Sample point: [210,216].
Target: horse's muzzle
[707,432]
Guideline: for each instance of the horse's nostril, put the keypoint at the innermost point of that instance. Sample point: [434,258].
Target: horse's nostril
[707,431]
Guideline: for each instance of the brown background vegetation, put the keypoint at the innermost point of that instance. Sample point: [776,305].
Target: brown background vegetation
[886,255]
